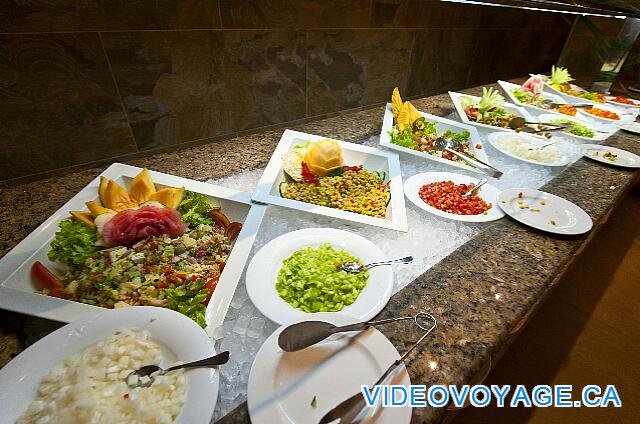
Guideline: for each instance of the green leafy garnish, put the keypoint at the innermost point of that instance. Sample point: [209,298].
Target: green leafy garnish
[560,75]
[314,402]
[188,300]
[193,209]
[463,136]
[520,95]
[491,101]
[408,136]
[74,243]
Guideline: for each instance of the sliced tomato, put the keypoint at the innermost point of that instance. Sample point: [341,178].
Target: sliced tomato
[211,286]
[47,279]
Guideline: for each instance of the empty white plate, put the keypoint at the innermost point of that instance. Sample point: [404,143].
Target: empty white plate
[283,385]
[544,211]
[262,274]
[488,192]
[624,158]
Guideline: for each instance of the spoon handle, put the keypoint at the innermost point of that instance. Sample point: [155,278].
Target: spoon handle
[363,325]
[212,361]
[480,184]
[406,260]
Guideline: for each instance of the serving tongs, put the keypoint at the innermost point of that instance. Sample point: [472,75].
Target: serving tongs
[520,124]
[449,145]
[353,410]
[551,103]
[307,333]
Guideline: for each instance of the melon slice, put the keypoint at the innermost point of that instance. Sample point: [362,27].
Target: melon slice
[170,197]
[142,187]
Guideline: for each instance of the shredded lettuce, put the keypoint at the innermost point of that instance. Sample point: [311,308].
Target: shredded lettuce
[188,300]
[74,243]
[194,209]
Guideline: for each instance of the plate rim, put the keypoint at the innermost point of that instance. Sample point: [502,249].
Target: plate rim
[545,229]
[292,314]
[203,382]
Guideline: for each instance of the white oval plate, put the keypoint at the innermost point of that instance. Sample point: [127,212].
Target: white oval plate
[282,385]
[556,215]
[625,159]
[625,117]
[547,117]
[488,192]
[634,106]
[262,274]
[181,339]
[496,136]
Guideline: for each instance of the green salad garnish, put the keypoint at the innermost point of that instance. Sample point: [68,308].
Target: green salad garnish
[578,129]
[409,136]
[188,300]
[463,136]
[74,243]
[312,280]
[193,209]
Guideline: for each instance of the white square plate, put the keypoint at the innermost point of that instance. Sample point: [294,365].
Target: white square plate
[354,154]
[17,292]
[442,125]
[508,88]
[511,108]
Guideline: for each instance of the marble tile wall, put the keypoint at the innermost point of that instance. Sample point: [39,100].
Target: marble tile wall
[97,80]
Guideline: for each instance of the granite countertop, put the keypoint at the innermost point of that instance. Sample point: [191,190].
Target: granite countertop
[482,293]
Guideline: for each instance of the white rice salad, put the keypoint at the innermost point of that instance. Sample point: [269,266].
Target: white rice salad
[90,386]
[520,148]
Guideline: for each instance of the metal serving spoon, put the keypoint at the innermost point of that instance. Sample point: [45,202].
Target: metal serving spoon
[480,184]
[445,144]
[351,411]
[307,333]
[148,370]
[356,268]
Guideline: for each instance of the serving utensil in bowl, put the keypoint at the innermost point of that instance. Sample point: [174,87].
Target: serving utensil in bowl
[356,268]
[473,190]
[147,374]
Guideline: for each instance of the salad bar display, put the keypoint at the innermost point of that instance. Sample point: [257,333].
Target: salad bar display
[137,240]
[141,247]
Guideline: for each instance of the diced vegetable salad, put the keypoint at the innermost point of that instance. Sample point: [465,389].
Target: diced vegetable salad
[312,279]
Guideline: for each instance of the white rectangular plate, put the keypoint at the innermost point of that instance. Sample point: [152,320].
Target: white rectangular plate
[511,108]
[17,292]
[508,88]
[568,97]
[354,154]
[442,125]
